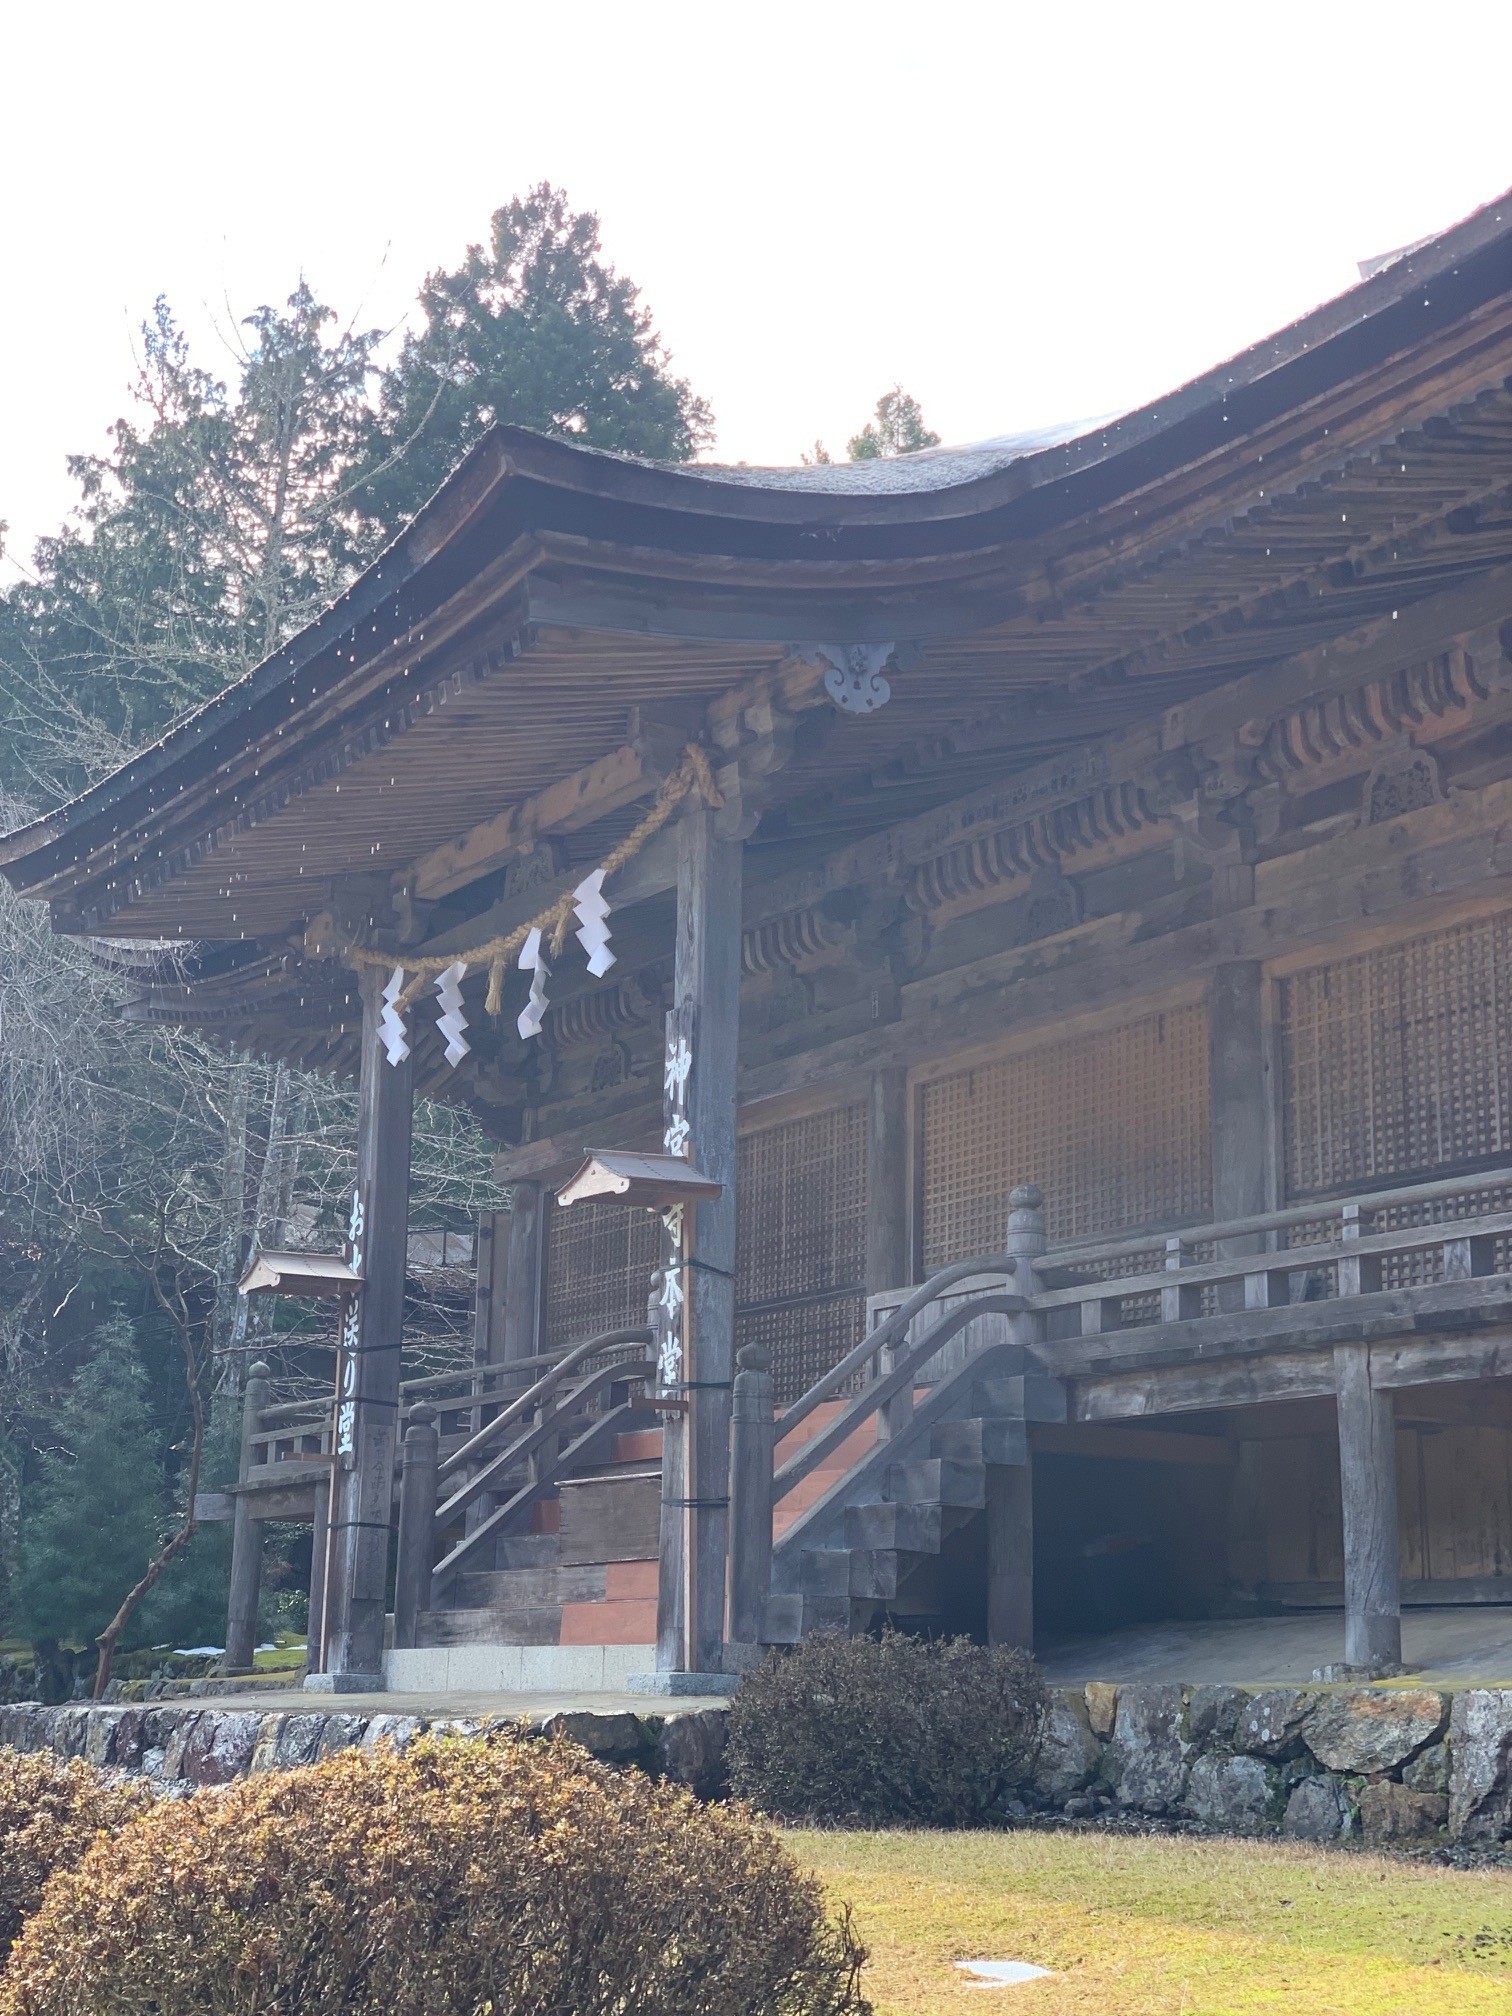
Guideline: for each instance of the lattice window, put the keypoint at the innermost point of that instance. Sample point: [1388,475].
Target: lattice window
[801,1257]
[1399,1062]
[802,1251]
[600,1257]
[1113,1127]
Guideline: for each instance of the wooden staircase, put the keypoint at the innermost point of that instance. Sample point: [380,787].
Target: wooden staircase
[870,1548]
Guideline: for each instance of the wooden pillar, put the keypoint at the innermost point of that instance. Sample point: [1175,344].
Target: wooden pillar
[367,1409]
[1367,1476]
[1010,1554]
[246,1537]
[320,1545]
[524,1273]
[889,1260]
[696,1442]
[417,1523]
[1239,1106]
[752,1439]
[1010,1486]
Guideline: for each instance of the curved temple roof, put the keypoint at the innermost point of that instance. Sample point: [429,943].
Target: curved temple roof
[696,577]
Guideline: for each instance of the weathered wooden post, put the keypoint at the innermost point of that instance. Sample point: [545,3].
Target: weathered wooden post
[320,1549]
[523,1272]
[246,1536]
[697,1323]
[1367,1484]
[753,1437]
[1010,1486]
[417,1522]
[1367,1479]
[362,1482]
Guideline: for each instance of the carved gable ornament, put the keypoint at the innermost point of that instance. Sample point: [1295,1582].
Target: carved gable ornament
[1404,779]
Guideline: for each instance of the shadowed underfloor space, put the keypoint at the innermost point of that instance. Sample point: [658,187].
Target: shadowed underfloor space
[1451,1646]
[1154,1926]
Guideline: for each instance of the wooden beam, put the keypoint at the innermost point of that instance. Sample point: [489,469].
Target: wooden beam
[1133,1445]
[525,1271]
[593,792]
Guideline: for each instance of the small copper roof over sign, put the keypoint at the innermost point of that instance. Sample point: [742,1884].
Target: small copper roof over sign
[652,1180]
[299,1274]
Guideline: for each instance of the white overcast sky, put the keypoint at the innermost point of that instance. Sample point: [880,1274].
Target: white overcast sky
[1024,213]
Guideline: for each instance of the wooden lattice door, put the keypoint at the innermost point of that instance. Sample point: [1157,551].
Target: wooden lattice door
[1398,1062]
[801,1262]
[1113,1127]
[600,1257]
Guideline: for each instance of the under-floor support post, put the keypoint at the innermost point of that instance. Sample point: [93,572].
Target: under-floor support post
[1010,1554]
[1367,1476]
[246,1537]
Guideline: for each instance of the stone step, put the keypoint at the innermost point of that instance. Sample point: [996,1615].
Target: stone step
[528,1550]
[880,1574]
[938,1480]
[824,1571]
[527,1588]
[981,1441]
[826,1613]
[539,1625]
[1029,1396]
[910,1529]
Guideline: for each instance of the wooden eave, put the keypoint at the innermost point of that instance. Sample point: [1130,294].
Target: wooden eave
[546,589]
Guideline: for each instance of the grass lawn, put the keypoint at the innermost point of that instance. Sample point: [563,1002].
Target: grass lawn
[1144,1926]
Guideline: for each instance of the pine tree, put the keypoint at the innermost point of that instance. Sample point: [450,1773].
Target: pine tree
[896,428]
[538,330]
[90,1523]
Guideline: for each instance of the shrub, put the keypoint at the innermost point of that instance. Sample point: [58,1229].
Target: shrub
[50,1812]
[512,1877]
[887,1730]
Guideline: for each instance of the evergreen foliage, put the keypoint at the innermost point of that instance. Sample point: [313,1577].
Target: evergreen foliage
[91,1522]
[896,428]
[535,329]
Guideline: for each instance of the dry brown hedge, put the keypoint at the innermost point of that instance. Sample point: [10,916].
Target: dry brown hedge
[513,1877]
[889,1731]
[50,1812]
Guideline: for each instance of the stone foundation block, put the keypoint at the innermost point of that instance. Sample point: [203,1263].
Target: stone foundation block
[1371,1730]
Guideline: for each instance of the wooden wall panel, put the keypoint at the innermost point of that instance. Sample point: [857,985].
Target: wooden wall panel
[1454,1505]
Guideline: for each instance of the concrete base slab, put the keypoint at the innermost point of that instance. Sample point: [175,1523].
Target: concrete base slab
[343,1683]
[703,1684]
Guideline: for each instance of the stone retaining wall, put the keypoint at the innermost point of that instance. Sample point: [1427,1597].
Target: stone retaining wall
[1382,1764]
[184,1744]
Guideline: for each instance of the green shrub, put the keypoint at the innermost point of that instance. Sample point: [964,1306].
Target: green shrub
[885,1731]
[50,1812]
[511,1877]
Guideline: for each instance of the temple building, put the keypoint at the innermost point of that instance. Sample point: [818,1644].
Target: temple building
[990,975]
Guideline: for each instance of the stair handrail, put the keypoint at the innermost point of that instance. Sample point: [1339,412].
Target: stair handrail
[889,1330]
[875,1395]
[549,1381]
[543,1474]
[530,1438]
